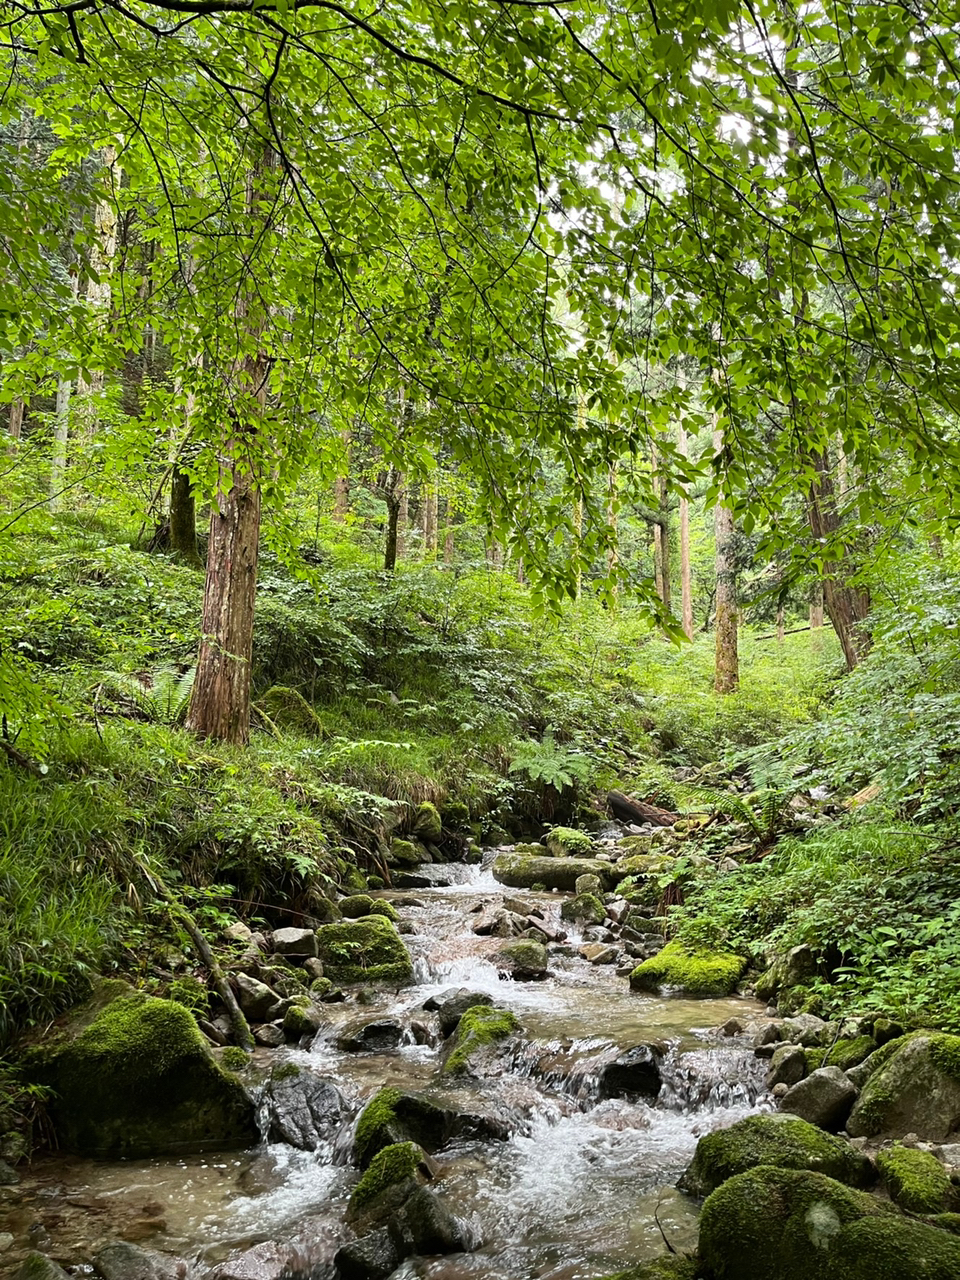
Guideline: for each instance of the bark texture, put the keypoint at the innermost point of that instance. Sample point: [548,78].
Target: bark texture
[846,606]
[727,663]
[183,519]
[686,586]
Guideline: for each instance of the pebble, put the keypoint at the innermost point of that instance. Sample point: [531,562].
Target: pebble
[6,1241]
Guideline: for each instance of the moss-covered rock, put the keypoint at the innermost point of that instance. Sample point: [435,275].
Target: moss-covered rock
[393,1166]
[139,1080]
[913,1088]
[302,1020]
[567,842]
[233,1058]
[37,1267]
[404,853]
[916,1180]
[844,1054]
[585,908]
[427,824]
[780,1140]
[786,1224]
[455,815]
[521,871]
[525,960]
[670,1267]
[359,905]
[367,950]
[702,973]
[479,1028]
[392,1116]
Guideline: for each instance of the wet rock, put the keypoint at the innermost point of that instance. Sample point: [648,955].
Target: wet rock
[313,967]
[769,1034]
[525,960]
[769,1224]
[478,1039]
[451,1008]
[8,1175]
[915,1088]
[269,1035]
[295,942]
[732,1027]
[585,907]
[588,884]
[410,880]
[124,1261]
[825,1098]
[392,1116]
[361,904]
[267,1261]
[806,1029]
[794,969]
[635,1073]
[373,1257]
[600,953]
[787,1066]
[302,1020]
[521,871]
[380,1036]
[303,1109]
[368,950]
[499,924]
[37,1267]
[781,1140]
[707,973]
[916,1180]
[6,1241]
[432,1229]
[258,1001]
[137,1078]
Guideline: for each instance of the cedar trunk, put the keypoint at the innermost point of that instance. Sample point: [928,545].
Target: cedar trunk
[686,585]
[220,703]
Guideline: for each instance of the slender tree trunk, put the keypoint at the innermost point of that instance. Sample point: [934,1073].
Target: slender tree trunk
[613,554]
[220,703]
[430,518]
[727,667]
[661,532]
[686,587]
[99,292]
[846,606]
[341,488]
[403,517]
[183,518]
[61,433]
[17,410]
[780,626]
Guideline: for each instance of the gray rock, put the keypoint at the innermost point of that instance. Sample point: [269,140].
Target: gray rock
[124,1261]
[634,1073]
[6,1241]
[258,1001]
[432,1228]
[303,1109]
[238,932]
[860,1074]
[295,942]
[313,967]
[269,1035]
[373,1257]
[525,960]
[587,884]
[787,1066]
[267,1261]
[379,1036]
[825,1098]
[37,1267]
[8,1175]
[732,1027]
[805,1029]
[600,953]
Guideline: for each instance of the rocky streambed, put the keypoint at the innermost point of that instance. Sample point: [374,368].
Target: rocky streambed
[489,1079]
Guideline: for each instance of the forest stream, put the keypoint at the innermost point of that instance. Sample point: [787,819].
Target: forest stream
[556,1181]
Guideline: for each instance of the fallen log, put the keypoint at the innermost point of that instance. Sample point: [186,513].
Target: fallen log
[629,810]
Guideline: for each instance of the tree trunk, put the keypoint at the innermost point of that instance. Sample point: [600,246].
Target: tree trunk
[846,606]
[661,533]
[429,518]
[727,667]
[183,519]
[220,702]
[61,432]
[99,292]
[393,520]
[17,410]
[686,587]
[403,517]
[341,488]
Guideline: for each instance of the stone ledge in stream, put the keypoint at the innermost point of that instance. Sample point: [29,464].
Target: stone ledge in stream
[523,871]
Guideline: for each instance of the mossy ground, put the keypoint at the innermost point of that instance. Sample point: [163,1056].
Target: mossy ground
[480,1026]
[697,972]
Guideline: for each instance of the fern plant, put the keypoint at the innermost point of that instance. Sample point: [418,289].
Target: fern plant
[161,696]
[550,764]
[762,811]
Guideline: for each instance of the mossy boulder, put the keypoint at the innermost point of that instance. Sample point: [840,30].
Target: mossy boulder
[520,871]
[844,1054]
[480,1028]
[427,824]
[36,1266]
[525,960]
[567,842]
[394,1166]
[780,1140]
[392,1116]
[696,972]
[669,1267]
[794,969]
[585,908]
[138,1079]
[368,950]
[359,905]
[404,853]
[788,1224]
[916,1180]
[913,1088]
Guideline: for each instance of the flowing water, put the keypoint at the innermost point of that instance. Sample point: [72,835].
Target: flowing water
[576,1185]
